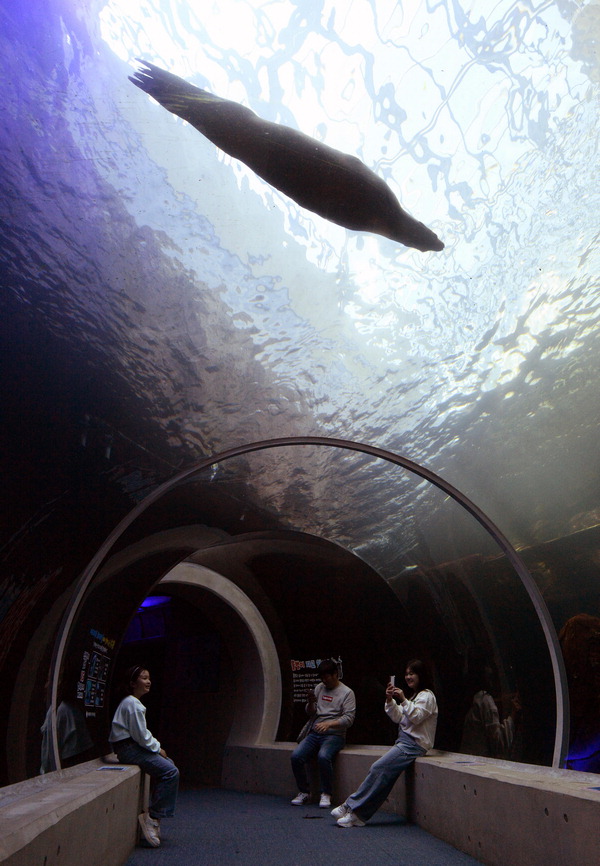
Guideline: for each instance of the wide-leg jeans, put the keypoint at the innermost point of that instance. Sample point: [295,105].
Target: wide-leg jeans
[162,771]
[325,747]
[383,775]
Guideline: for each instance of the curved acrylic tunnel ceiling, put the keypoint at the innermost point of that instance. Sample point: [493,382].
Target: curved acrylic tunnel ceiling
[227,314]
[297,485]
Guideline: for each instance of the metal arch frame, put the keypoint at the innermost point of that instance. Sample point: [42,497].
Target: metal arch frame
[560,679]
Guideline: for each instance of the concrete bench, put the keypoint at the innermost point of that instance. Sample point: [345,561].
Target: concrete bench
[506,813]
[499,812]
[266,769]
[86,814]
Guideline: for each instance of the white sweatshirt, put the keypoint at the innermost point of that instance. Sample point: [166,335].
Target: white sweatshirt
[338,705]
[130,721]
[417,717]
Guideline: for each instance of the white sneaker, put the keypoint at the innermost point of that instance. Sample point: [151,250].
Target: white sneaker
[340,811]
[325,801]
[350,820]
[301,799]
[150,829]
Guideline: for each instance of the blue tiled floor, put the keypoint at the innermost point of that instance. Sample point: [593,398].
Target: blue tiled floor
[213,827]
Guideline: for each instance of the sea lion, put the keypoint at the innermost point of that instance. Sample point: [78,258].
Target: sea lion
[333,184]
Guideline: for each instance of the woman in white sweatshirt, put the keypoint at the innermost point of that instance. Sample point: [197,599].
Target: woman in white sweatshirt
[417,720]
[134,744]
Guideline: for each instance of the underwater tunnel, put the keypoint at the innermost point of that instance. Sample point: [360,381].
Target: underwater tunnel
[239,437]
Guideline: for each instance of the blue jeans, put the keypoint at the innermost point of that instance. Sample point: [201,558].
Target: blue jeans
[326,747]
[382,776]
[162,771]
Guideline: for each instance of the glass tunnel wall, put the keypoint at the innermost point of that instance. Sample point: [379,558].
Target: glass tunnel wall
[432,583]
[159,303]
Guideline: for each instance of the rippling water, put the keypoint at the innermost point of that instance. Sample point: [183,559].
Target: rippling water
[235,315]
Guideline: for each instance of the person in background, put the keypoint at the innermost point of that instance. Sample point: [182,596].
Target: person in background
[75,744]
[134,744]
[483,732]
[331,708]
[417,721]
[580,643]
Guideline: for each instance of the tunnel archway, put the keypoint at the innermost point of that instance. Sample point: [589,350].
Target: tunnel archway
[154,507]
[258,705]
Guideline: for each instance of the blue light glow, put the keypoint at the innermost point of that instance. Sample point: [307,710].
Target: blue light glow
[154,600]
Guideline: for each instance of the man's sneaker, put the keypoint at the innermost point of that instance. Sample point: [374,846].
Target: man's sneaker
[340,811]
[301,799]
[150,829]
[350,820]
[325,801]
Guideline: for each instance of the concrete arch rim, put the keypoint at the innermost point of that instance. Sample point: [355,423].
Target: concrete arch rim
[193,574]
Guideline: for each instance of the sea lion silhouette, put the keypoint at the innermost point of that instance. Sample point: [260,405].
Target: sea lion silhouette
[333,184]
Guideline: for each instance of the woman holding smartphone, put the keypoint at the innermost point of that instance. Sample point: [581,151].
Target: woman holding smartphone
[417,720]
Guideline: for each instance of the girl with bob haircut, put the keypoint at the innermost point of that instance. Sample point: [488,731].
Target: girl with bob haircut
[134,744]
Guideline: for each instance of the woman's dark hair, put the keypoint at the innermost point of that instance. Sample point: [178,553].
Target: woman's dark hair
[131,675]
[128,677]
[422,671]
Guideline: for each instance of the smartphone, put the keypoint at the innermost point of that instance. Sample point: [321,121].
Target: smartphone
[393,679]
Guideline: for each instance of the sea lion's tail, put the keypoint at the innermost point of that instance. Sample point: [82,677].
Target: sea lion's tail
[172,92]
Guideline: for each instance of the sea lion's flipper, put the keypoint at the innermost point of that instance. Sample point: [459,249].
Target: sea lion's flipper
[328,182]
[214,117]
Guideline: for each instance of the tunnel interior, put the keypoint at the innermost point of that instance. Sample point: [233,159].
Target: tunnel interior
[317,598]
[160,304]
